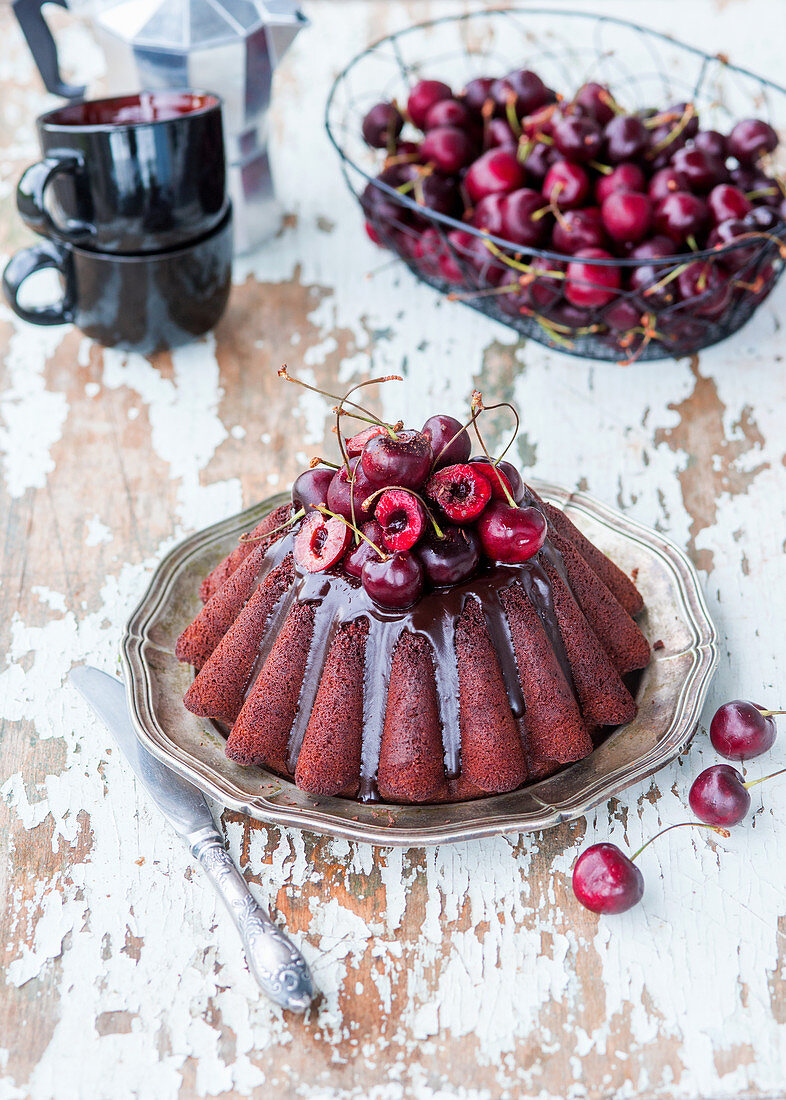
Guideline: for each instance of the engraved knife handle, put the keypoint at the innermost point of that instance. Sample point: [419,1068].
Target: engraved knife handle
[272,958]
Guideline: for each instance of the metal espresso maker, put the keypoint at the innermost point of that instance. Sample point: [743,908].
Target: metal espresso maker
[230,47]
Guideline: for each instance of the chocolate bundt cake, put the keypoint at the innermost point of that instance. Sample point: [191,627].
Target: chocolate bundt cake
[414,629]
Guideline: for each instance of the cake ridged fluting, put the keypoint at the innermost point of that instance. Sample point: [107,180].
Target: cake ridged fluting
[477,689]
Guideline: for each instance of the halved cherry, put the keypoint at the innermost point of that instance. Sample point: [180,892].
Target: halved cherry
[403,519]
[497,479]
[320,542]
[461,491]
[356,443]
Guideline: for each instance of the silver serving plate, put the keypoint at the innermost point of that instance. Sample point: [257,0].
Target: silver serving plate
[670,696]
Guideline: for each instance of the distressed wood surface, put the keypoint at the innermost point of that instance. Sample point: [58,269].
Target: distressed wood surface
[461,971]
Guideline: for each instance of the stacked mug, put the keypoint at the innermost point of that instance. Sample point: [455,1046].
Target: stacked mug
[130,199]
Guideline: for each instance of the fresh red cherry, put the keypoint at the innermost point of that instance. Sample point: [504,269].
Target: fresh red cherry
[448,112]
[355,444]
[423,97]
[666,180]
[681,215]
[438,193]
[320,542]
[447,148]
[525,89]
[750,139]
[427,252]
[460,491]
[450,443]
[509,534]
[518,224]
[310,488]
[539,289]
[382,125]
[393,582]
[404,459]
[477,92]
[497,478]
[710,141]
[726,202]
[626,137]
[468,260]
[498,134]
[741,730]
[606,881]
[654,248]
[347,486]
[625,177]
[566,185]
[578,139]
[451,559]
[727,233]
[487,215]
[357,556]
[627,216]
[538,160]
[402,518]
[590,285]
[594,100]
[702,171]
[705,285]
[497,171]
[623,315]
[579,229]
[719,796]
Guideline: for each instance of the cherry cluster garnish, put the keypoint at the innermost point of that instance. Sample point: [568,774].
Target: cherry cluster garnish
[605,880]
[405,511]
[584,178]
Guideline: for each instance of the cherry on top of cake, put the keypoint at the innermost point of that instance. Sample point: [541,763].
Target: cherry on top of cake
[407,511]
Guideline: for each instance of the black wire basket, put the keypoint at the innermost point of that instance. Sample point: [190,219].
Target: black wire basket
[566,48]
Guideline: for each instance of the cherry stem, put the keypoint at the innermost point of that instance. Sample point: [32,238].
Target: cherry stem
[282,527]
[514,410]
[674,133]
[478,407]
[322,462]
[690,240]
[606,97]
[770,713]
[764,778]
[524,148]
[680,825]
[761,192]
[512,117]
[334,515]
[604,169]
[528,269]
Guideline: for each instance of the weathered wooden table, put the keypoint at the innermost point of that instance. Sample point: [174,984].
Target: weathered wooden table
[461,971]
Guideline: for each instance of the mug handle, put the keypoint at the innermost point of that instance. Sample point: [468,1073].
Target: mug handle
[31,197]
[42,46]
[44,254]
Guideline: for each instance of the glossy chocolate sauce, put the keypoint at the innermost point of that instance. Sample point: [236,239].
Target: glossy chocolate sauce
[340,599]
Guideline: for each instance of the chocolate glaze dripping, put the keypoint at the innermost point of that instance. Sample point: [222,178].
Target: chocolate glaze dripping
[342,599]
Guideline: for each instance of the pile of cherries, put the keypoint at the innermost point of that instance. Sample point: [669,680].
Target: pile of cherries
[605,880]
[587,180]
[406,511]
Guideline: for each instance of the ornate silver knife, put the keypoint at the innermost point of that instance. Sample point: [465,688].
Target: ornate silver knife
[275,962]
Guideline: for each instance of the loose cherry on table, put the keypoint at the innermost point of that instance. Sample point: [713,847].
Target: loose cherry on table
[720,795]
[740,730]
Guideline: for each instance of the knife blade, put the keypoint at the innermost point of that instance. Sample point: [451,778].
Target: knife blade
[273,959]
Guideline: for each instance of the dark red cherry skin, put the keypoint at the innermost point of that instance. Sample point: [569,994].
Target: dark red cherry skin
[702,171]
[427,252]
[726,202]
[718,796]
[750,139]
[497,478]
[403,460]
[487,215]
[591,285]
[739,731]
[509,534]
[423,97]
[606,881]
[527,90]
[654,248]
[448,112]
[706,286]
[341,494]
[579,229]
[496,171]
[498,134]
[460,491]
[447,148]
[402,518]
[762,219]
[357,555]
[395,582]
[452,559]
[311,488]
[450,442]
[320,542]
[627,216]
[514,479]
[477,92]
[578,139]
[518,225]
[438,193]
[566,185]
[594,100]
[625,177]
[382,125]
[666,180]
[710,141]
[726,234]
[681,215]
[625,138]
[622,315]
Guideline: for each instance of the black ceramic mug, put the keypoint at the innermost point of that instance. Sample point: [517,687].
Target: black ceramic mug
[141,303]
[135,173]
